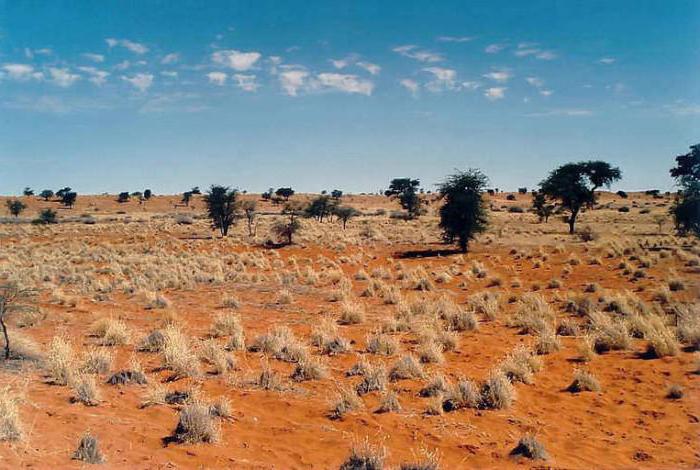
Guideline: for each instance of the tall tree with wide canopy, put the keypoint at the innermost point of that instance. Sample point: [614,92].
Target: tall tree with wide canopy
[406,191]
[463,214]
[222,207]
[686,209]
[574,185]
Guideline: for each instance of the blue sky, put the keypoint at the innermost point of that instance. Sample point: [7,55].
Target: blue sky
[123,95]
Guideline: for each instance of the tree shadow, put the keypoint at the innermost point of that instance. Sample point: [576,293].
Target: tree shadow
[431,253]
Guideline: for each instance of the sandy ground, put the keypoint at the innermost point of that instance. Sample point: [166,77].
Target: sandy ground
[628,424]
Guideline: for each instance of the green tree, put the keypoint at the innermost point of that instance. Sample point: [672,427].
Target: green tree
[62,191]
[287,228]
[222,207]
[15,207]
[336,194]
[46,194]
[123,197]
[686,208]
[285,193]
[186,197]
[28,191]
[147,194]
[13,299]
[345,213]
[574,185]
[46,216]
[463,214]
[319,208]
[68,199]
[541,207]
[406,191]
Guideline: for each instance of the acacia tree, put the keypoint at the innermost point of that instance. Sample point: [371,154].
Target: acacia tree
[68,198]
[123,197]
[15,207]
[686,208]
[287,228]
[574,185]
[249,211]
[13,299]
[406,191]
[186,197]
[28,191]
[222,207]
[345,213]
[286,193]
[542,209]
[46,194]
[463,215]
[336,194]
[320,207]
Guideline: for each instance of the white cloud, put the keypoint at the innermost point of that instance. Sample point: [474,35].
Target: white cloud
[340,63]
[532,49]
[525,52]
[535,81]
[140,81]
[494,48]
[95,76]
[471,85]
[418,54]
[170,58]
[495,93]
[63,77]
[681,108]
[94,57]
[236,60]
[546,55]
[346,83]
[546,92]
[123,65]
[21,72]
[500,76]
[245,82]
[607,60]
[218,78]
[134,47]
[444,79]
[455,38]
[173,102]
[410,85]
[373,69]
[169,73]
[573,112]
[293,80]
[274,62]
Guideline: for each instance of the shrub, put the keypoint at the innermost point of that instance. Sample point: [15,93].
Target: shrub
[584,381]
[385,345]
[463,215]
[153,342]
[345,402]
[178,355]
[195,425]
[373,380]
[465,394]
[365,457]
[60,361]
[530,447]
[437,386]
[212,353]
[497,392]
[88,450]
[675,392]
[85,390]
[662,343]
[10,424]
[520,365]
[406,368]
[389,403]
[226,324]
[309,369]
[351,313]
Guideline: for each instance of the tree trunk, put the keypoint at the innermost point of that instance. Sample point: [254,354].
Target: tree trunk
[572,222]
[463,244]
[7,338]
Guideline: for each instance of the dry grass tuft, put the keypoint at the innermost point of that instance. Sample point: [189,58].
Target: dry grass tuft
[85,390]
[345,402]
[389,403]
[584,381]
[88,450]
[530,447]
[407,367]
[10,425]
[364,456]
[196,425]
[60,361]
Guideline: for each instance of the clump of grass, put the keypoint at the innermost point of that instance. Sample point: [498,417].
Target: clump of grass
[230,301]
[662,343]
[134,374]
[675,392]
[689,327]
[88,450]
[178,355]
[156,300]
[462,320]
[568,327]
[586,349]
[608,334]
[364,456]
[530,447]
[676,285]
[285,297]
[430,353]
[196,425]
[359,368]
[497,392]
[212,353]
[465,394]
[325,336]
[373,380]
[547,342]
[85,390]
[379,343]
[309,369]
[406,368]
[96,361]
[389,403]
[345,402]
[351,313]
[520,365]
[226,324]
[269,379]
[584,381]
[428,461]
[10,425]
[533,315]
[60,361]
[152,342]
[437,386]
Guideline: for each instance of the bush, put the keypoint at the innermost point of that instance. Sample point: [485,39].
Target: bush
[46,216]
[365,457]
[10,424]
[584,381]
[530,447]
[195,425]
[88,450]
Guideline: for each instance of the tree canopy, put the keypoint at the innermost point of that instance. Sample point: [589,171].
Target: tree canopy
[463,215]
[222,207]
[686,209]
[574,185]
[406,191]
